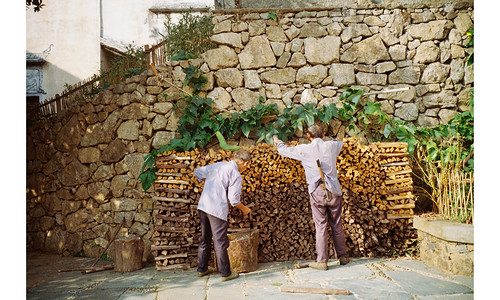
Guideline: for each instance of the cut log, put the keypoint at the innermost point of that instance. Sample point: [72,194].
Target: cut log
[98,269]
[172,181]
[171,256]
[399,163]
[400,180]
[165,247]
[173,267]
[399,216]
[168,174]
[392,198]
[171,166]
[128,254]
[175,191]
[401,206]
[402,172]
[400,190]
[164,228]
[170,199]
[172,157]
[311,290]
[243,250]
[387,155]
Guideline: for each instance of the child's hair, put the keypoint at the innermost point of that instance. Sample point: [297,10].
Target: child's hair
[316,131]
[242,154]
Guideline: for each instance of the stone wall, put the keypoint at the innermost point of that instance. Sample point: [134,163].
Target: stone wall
[83,164]
[298,4]
[446,245]
[309,56]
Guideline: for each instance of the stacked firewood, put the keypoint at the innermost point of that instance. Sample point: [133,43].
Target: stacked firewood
[376,203]
[373,178]
[175,238]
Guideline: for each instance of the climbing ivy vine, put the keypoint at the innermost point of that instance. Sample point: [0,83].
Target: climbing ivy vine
[198,124]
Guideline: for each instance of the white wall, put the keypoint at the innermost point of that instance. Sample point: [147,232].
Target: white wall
[73,28]
[131,21]
[126,21]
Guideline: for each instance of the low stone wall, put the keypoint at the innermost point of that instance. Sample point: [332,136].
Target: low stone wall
[83,164]
[446,245]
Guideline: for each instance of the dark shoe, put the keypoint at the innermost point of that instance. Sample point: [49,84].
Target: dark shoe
[344,260]
[318,266]
[208,271]
[233,275]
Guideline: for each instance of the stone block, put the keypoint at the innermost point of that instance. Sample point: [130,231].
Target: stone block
[245,98]
[276,34]
[427,52]
[280,76]
[369,78]
[446,230]
[410,75]
[231,77]
[368,51]
[297,60]
[222,57]
[407,112]
[231,39]
[312,75]
[322,50]
[435,73]
[385,67]
[434,30]
[256,54]
[312,29]
[342,74]
[129,130]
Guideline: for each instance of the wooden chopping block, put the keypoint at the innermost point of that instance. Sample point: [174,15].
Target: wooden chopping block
[128,254]
[243,250]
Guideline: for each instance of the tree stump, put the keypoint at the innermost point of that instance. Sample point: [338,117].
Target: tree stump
[128,254]
[243,250]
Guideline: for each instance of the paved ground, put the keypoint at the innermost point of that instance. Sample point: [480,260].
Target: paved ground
[365,278]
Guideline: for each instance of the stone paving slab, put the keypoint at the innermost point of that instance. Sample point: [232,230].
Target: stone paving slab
[367,289]
[447,297]
[139,293]
[184,288]
[425,286]
[273,292]
[365,278]
[265,278]
[414,265]
[353,270]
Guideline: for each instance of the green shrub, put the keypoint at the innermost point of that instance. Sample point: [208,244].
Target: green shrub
[191,34]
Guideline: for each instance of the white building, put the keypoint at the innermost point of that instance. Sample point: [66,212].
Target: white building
[69,41]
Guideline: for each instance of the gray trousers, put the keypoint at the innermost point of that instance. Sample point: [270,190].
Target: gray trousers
[323,214]
[213,226]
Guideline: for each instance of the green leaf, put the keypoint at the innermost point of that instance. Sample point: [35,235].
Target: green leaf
[182,55]
[245,128]
[309,117]
[372,108]
[387,130]
[272,15]
[148,178]
[149,161]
